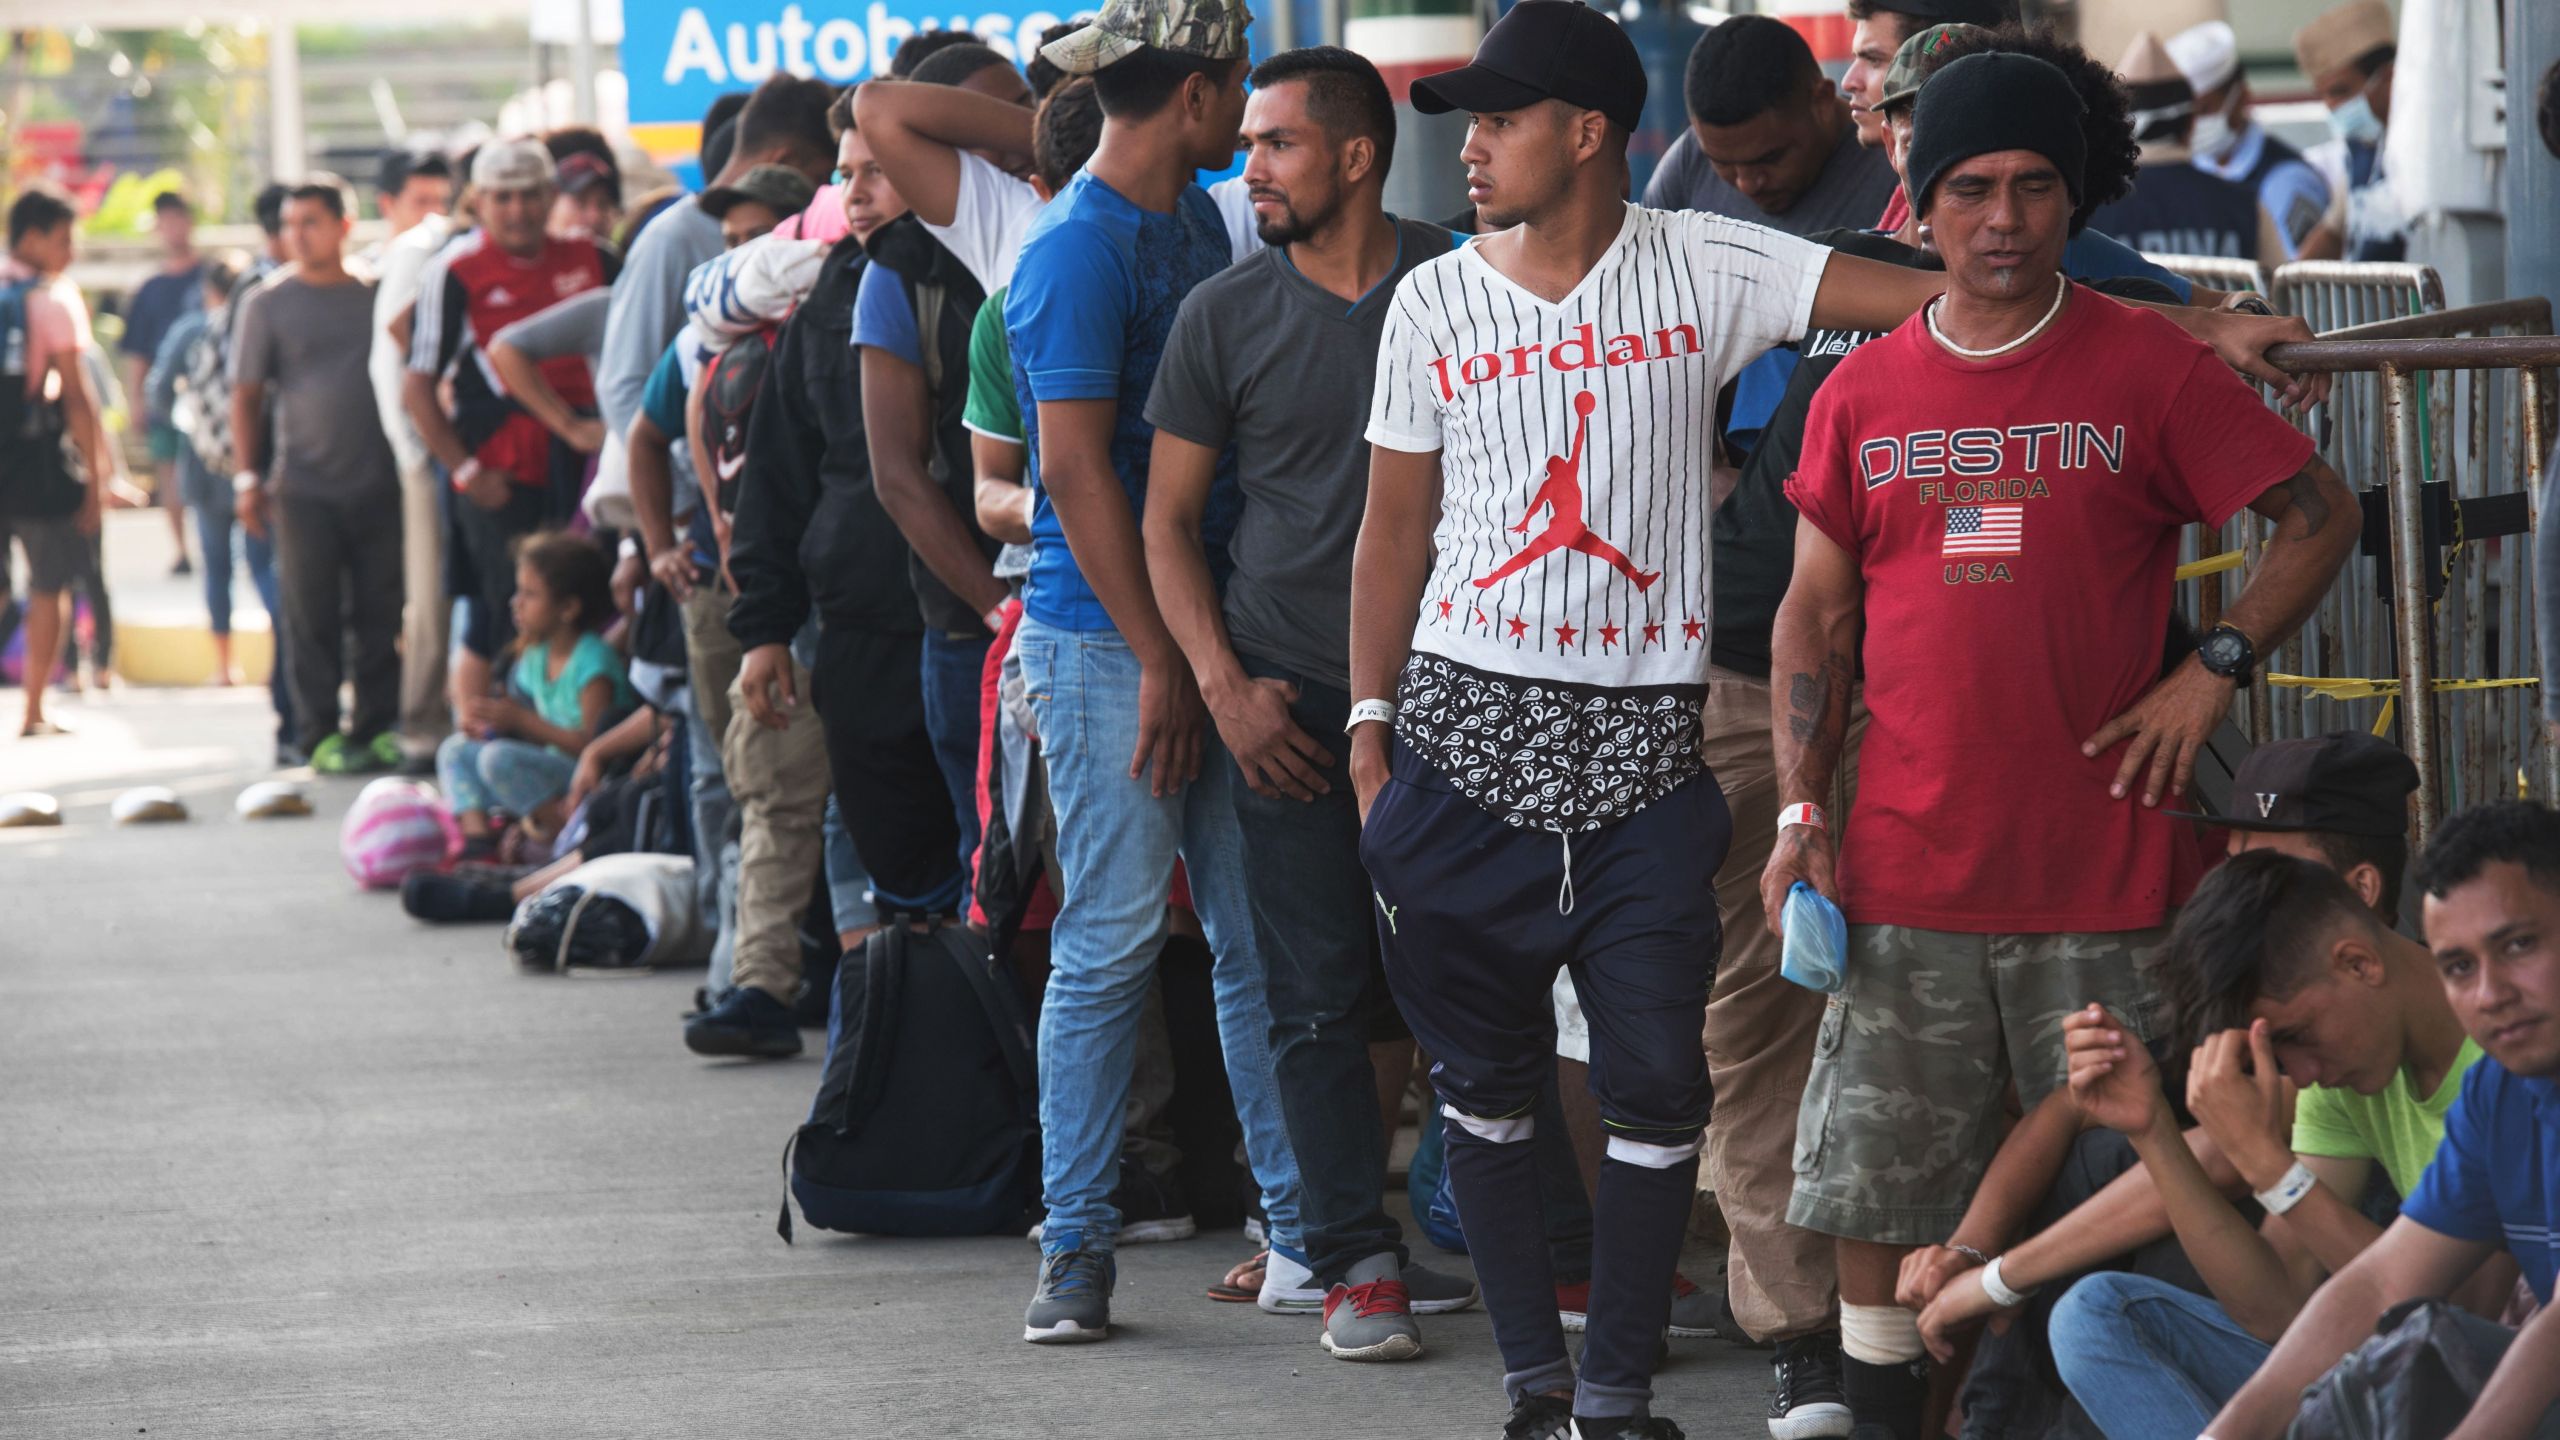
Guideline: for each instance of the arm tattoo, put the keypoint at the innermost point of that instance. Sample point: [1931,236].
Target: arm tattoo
[1818,716]
[2301,496]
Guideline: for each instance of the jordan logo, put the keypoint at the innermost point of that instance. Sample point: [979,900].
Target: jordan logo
[1561,495]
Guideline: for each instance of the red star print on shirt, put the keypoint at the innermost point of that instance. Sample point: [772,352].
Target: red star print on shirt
[1565,634]
[1519,628]
[1608,636]
[1444,609]
[1652,633]
[1692,629]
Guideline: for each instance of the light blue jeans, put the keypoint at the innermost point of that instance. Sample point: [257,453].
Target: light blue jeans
[2148,1360]
[510,775]
[1116,845]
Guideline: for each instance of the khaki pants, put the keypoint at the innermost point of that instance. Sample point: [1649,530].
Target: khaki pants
[1760,1033]
[779,780]
[426,614]
[711,655]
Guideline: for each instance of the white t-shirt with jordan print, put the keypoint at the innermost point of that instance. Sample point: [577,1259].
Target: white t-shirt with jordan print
[1561,651]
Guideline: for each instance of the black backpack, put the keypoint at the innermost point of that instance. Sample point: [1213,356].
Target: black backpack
[37,481]
[927,1118]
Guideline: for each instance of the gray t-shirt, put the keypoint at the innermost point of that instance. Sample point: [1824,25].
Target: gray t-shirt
[1851,192]
[646,311]
[1265,359]
[308,344]
[575,326]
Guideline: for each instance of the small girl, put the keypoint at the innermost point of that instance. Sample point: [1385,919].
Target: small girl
[517,753]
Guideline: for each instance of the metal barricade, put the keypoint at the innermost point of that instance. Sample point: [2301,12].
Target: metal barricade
[2440,631]
[2335,294]
[2216,272]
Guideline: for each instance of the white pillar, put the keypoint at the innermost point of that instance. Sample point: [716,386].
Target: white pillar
[290,151]
[582,62]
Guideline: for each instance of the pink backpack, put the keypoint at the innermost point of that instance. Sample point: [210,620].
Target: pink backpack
[396,826]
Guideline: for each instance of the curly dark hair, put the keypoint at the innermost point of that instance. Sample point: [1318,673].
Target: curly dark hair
[2104,120]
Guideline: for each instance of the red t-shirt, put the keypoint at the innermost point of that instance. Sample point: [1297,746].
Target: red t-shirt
[2016,521]
[486,290]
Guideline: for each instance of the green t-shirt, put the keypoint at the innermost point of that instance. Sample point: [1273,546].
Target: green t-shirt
[2395,1128]
[992,410]
[556,700]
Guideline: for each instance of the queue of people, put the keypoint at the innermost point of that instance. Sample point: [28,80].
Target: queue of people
[936,501]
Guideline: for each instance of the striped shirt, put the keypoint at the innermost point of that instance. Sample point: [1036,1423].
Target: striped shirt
[1561,648]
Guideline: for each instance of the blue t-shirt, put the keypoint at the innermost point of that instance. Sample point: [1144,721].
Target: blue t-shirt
[1092,300]
[2085,256]
[662,399]
[884,318]
[559,700]
[2496,1178]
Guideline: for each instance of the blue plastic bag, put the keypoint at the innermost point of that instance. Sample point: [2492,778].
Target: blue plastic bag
[1817,941]
[1427,1188]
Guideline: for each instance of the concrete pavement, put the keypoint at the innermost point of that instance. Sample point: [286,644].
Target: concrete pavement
[275,1160]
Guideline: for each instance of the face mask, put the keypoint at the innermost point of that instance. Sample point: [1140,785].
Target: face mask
[2355,123]
[2212,135]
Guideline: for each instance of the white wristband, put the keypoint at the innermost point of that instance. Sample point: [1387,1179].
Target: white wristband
[1364,711]
[2288,1192]
[993,620]
[1998,1289]
[1808,815]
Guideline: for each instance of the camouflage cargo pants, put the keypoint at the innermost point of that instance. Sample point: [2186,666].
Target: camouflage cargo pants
[1905,1105]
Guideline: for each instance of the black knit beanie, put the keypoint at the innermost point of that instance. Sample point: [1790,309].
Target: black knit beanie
[1987,103]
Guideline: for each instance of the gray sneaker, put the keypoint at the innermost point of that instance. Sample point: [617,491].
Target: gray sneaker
[1073,1301]
[1369,1316]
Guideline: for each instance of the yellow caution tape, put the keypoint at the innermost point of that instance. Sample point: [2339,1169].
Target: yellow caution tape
[2350,688]
[2212,565]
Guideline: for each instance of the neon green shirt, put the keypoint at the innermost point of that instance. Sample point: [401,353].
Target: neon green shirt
[2395,1128]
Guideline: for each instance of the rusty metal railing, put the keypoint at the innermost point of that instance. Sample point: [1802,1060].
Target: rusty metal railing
[2445,612]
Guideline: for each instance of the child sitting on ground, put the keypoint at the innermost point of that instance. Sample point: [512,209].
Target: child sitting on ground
[515,755]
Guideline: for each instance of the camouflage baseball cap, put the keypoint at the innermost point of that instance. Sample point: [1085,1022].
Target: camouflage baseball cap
[1209,29]
[1911,65]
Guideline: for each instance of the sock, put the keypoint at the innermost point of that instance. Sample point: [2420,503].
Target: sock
[1884,1368]
[1642,1217]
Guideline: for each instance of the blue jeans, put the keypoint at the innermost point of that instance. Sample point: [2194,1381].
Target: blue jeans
[2148,1360]
[954,672]
[509,775]
[215,527]
[1116,846]
[848,884]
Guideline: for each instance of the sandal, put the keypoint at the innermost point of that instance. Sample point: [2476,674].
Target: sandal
[1243,1285]
[36,728]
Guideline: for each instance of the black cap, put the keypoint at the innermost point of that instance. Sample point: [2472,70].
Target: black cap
[1989,14]
[2349,783]
[1988,103]
[1544,50]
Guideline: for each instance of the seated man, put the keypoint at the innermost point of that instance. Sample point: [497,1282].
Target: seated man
[2282,972]
[2492,882]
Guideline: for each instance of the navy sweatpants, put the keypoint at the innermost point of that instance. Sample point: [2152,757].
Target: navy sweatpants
[1476,916]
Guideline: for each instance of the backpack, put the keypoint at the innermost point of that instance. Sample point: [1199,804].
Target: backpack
[927,1119]
[207,383]
[736,377]
[37,481]
[2414,1380]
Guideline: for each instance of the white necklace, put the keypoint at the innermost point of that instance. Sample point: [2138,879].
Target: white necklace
[2062,288]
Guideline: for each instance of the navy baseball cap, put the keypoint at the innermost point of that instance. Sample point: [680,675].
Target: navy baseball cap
[2348,783]
[1544,50]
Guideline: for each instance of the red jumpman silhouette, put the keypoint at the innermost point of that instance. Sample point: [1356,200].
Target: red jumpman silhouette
[1562,494]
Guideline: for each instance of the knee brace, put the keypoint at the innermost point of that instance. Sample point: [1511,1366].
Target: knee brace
[1880,1334]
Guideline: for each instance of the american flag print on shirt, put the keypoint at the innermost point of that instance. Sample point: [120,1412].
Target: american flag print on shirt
[1984,530]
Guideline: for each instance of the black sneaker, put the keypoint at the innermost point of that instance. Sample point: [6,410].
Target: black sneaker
[1810,1400]
[746,1022]
[1151,1206]
[1540,1417]
[1626,1427]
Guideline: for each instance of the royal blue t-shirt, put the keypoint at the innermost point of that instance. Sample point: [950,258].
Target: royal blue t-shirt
[662,399]
[2496,1177]
[1092,300]
[884,318]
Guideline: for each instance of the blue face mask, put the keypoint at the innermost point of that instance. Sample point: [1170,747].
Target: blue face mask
[2355,123]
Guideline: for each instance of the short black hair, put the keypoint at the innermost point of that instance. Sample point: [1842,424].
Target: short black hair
[1747,66]
[269,207]
[2255,929]
[1140,84]
[564,141]
[399,167]
[723,109]
[956,63]
[1044,75]
[1345,94]
[2511,830]
[717,147]
[1066,131]
[1985,13]
[786,112]
[220,272]
[2106,124]
[2546,110]
[922,46]
[326,188]
[839,117]
[169,200]
[39,208]
[2387,854]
